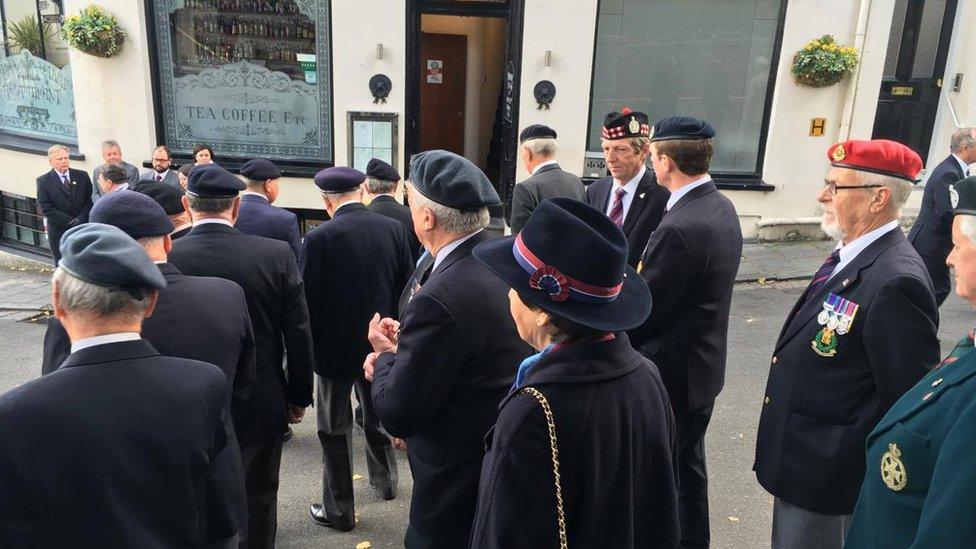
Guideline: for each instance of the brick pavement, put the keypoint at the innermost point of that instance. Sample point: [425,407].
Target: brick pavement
[25,288]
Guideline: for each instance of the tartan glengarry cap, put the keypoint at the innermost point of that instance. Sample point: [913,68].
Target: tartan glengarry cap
[170,197]
[105,256]
[135,213]
[377,169]
[962,194]
[681,127]
[212,181]
[626,124]
[451,180]
[537,131]
[879,156]
[259,169]
[339,179]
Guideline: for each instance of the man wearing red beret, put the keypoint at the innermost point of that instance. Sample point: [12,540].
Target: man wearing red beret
[862,333]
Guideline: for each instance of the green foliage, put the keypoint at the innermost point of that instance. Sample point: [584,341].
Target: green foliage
[822,62]
[93,31]
[26,34]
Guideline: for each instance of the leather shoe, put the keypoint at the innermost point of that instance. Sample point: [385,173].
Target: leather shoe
[386,492]
[317,512]
[288,434]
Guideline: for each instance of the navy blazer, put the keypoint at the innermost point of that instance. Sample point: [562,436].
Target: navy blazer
[63,207]
[118,448]
[259,218]
[385,204]
[549,181]
[931,235]
[818,410]
[354,266]
[644,215]
[690,266]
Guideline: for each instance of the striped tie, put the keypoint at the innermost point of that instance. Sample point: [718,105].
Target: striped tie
[821,276]
[617,211]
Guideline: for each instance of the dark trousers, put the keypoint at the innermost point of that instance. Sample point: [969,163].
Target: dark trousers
[54,240]
[334,419]
[689,438]
[939,273]
[262,462]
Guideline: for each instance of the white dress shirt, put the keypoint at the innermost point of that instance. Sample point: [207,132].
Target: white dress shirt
[448,248]
[676,195]
[103,340]
[546,163]
[963,165]
[850,251]
[213,220]
[630,187]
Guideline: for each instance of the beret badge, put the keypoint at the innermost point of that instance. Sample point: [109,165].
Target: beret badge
[839,153]
[551,281]
[634,125]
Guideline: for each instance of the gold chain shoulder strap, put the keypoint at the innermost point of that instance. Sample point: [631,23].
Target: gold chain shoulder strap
[560,515]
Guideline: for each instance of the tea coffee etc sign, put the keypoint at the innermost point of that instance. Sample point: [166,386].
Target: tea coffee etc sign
[36,99]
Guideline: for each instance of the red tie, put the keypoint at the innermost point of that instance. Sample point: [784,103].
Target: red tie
[617,211]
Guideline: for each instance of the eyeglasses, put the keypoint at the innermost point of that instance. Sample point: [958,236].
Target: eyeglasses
[833,187]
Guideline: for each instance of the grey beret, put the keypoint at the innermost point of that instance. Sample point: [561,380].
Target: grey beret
[451,180]
[105,256]
[135,213]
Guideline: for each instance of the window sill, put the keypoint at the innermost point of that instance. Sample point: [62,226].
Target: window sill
[36,146]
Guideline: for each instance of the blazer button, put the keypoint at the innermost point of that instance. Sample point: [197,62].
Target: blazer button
[937,382]
[766,400]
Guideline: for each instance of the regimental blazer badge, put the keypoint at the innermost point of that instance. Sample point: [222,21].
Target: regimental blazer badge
[893,472]
[836,318]
[953,196]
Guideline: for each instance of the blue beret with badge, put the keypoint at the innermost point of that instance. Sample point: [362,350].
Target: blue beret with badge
[451,180]
[170,197]
[536,131]
[259,169]
[135,213]
[681,127]
[105,256]
[212,181]
[339,179]
[377,169]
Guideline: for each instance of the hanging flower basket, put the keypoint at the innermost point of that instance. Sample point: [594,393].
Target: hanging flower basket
[822,62]
[93,31]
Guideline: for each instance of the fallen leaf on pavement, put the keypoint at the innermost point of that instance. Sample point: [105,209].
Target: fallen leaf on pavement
[357,477]
[363,545]
[733,519]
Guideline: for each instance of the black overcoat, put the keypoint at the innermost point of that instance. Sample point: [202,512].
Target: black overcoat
[354,266]
[614,431]
[117,449]
[261,218]
[931,235]
[549,181]
[457,355]
[385,204]
[818,410]
[644,214]
[63,207]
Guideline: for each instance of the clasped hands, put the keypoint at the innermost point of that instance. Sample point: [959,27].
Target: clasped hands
[383,336]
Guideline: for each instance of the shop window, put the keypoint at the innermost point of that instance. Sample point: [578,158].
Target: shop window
[700,58]
[247,77]
[21,224]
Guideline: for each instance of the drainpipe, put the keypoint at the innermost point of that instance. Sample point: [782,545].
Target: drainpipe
[863,16]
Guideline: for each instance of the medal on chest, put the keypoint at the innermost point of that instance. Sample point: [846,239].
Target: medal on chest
[893,471]
[836,319]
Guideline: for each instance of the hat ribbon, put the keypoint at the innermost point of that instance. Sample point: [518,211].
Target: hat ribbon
[559,286]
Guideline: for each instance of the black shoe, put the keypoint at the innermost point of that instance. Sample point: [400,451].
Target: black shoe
[386,492]
[288,434]
[317,513]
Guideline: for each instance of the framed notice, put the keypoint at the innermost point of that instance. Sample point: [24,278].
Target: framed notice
[372,135]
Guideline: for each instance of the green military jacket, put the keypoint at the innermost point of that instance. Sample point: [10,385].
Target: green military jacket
[920,486]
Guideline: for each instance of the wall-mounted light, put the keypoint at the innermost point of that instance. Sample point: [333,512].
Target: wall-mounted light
[548,58]
[379,51]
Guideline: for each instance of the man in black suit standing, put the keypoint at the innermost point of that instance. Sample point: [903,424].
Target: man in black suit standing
[267,271]
[258,215]
[120,446]
[931,235]
[690,266]
[860,335]
[354,266]
[64,196]
[439,380]
[546,178]
[381,185]
[629,196]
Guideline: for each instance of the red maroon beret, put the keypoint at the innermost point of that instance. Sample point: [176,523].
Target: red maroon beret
[876,156]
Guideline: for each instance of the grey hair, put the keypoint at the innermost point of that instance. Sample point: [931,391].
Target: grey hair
[900,189]
[209,205]
[968,227]
[151,242]
[379,186]
[110,144]
[253,183]
[77,295]
[452,220]
[53,148]
[961,139]
[544,147]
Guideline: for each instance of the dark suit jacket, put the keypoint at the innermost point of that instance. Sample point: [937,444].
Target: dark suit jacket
[456,360]
[267,271]
[385,204]
[259,218]
[116,449]
[549,182]
[354,266]
[129,169]
[931,235]
[64,208]
[644,214]
[149,176]
[820,409]
[614,431]
[690,266]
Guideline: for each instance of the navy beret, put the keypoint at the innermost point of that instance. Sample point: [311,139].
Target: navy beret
[135,213]
[377,169]
[681,127]
[339,179]
[537,131]
[105,256]
[625,124]
[259,169]
[170,197]
[212,181]
[451,180]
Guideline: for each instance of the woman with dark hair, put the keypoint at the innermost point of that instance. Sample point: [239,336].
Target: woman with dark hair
[184,174]
[203,154]
[582,452]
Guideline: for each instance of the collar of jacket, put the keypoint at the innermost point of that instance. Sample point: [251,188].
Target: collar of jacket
[463,250]
[110,352]
[546,168]
[697,192]
[383,198]
[253,197]
[348,208]
[168,269]
[214,228]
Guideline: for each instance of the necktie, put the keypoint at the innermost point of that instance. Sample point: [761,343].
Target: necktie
[64,180]
[617,211]
[419,276]
[158,178]
[822,274]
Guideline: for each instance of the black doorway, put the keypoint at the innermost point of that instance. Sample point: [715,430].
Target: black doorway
[914,70]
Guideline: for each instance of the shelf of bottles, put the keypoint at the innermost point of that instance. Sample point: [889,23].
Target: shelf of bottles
[271,33]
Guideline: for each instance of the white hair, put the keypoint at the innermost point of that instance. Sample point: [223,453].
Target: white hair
[544,147]
[452,220]
[900,189]
[379,186]
[967,226]
[77,295]
[53,148]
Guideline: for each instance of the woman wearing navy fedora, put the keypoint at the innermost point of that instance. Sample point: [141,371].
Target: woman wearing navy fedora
[581,454]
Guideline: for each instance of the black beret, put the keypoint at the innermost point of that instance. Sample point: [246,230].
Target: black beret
[185,169]
[626,124]
[105,256]
[170,197]
[135,213]
[681,127]
[962,195]
[115,173]
[212,181]
[339,179]
[377,169]
[451,180]
[259,169]
[537,131]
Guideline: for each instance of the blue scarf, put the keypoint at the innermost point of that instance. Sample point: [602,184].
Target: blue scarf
[527,365]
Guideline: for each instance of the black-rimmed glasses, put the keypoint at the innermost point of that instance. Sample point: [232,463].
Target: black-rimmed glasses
[833,187]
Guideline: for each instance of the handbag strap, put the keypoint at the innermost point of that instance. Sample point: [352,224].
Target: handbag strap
[550,421]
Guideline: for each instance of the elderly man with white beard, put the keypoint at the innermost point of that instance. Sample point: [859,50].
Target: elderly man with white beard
[861,335]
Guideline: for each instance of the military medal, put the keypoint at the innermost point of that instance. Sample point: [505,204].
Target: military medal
[836,318]
[893,471]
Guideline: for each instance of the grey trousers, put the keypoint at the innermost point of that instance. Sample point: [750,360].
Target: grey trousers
[334,420]
[797,528]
